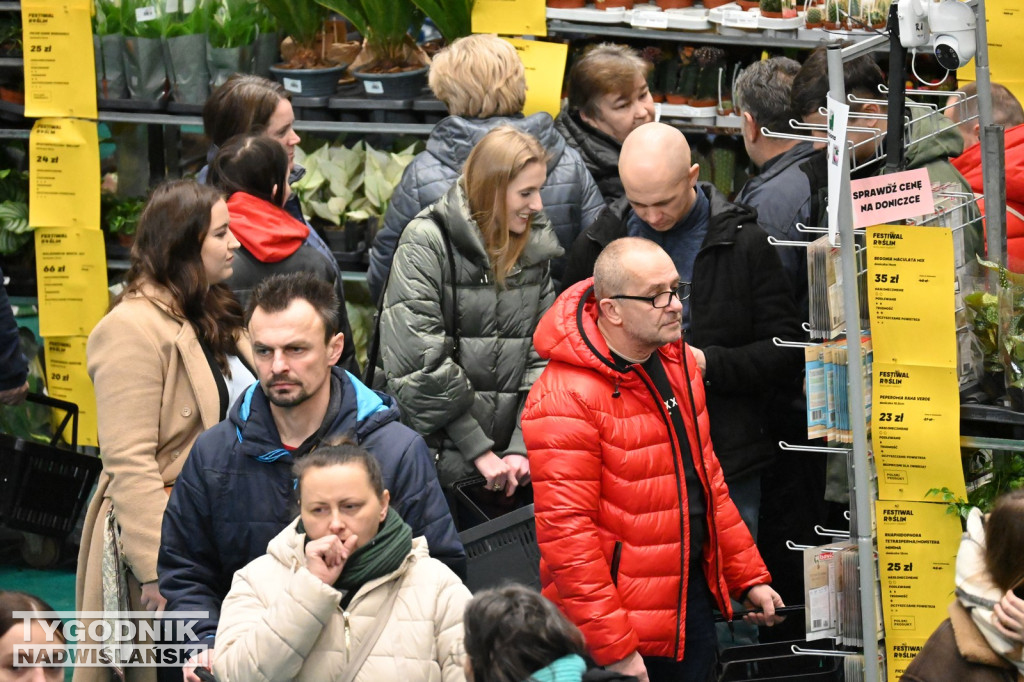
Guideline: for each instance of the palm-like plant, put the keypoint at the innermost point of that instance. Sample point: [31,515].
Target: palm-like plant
[385,25]
[302,20]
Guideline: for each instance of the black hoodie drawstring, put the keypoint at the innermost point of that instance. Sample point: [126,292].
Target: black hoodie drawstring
[616,393]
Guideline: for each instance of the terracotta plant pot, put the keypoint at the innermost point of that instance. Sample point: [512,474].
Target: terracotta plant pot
[814,25]
[673,98]
[566,4]
[712,4]
[701,103]
[12,96]
[832,25]
[748,5]
[613,4]
[674,4]
[658,97]
[771,15]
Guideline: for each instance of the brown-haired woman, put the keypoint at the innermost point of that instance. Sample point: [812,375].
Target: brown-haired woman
[490,222]
[980,641]
[167,361]
[249,104]
[43,640]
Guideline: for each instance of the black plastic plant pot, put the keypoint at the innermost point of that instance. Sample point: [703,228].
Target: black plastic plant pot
[308,82]
[400,85]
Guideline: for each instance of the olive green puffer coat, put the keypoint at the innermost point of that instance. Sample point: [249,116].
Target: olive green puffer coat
[471,406]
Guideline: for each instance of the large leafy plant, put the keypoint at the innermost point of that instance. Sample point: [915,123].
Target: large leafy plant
[15,232]
[354,183]
[302,20]
[385,24]
[232,23]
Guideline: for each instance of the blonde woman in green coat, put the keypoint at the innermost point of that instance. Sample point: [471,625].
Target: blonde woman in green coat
[459,356]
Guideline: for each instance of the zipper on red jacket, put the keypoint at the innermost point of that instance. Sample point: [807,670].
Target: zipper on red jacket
[684,539]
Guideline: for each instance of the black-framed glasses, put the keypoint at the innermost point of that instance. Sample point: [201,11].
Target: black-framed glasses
[664,299]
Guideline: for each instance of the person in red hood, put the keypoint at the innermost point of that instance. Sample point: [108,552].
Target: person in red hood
[638,537]
[1007,112]
[252,169]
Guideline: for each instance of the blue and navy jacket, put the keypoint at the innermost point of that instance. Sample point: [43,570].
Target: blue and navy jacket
[236,492]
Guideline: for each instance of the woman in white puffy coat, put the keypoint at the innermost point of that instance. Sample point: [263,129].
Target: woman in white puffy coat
[345,578]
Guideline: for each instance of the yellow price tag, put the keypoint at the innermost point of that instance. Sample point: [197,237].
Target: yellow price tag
[912,295]
[68,379]
[71,267]
[545,65]
[915,428]
[510,17]
[64,174]
[60,70]
[917,547]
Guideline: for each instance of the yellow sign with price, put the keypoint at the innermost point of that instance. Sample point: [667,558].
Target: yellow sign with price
[64,174]
[60,71]
[71,268]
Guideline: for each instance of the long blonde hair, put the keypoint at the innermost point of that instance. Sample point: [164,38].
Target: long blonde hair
[496,160]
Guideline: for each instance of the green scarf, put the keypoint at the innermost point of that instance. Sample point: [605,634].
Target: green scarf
[380,556]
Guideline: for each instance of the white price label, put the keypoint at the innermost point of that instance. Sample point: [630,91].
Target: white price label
[187,6]
[292,85]
[374,87]
[649,20]
[143,14]
[739,19]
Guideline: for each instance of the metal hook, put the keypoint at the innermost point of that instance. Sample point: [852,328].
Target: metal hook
[810,448]
[830,533]
[774,241]
[792,344]
[795,547]
[823,652]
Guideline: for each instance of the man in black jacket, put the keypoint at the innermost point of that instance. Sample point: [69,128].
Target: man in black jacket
[741,297]
[235,492]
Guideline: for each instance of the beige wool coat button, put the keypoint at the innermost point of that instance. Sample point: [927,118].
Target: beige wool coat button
[186,412]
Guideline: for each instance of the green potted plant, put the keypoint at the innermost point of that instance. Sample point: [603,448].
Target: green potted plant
[15,233]
[711,61]
[309,68]
[389,65]
[771,9]
[142,23]
[108,47]
[832,15]
[184,45]
[813,18]
[231,32]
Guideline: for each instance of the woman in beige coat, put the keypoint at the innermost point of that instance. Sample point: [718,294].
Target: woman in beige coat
[344,593]
[166,362]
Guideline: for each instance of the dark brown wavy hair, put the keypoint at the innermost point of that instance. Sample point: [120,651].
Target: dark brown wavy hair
[168,252]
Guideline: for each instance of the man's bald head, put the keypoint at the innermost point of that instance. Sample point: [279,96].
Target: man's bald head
[657,175]
[654,150]
[620,264]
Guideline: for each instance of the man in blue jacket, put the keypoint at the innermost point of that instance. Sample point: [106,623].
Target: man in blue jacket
[235,492]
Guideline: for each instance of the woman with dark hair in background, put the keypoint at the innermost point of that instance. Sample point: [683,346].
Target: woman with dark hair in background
[608,99]
[489,223]
[513,634]
[247,103]
[167,361]
[252,170]
[45,641]
[981,639]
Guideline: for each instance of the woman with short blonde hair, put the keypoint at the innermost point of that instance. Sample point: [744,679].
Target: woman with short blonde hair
[479,77]
[481,80]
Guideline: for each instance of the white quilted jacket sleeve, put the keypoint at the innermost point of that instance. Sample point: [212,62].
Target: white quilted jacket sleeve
[257,640]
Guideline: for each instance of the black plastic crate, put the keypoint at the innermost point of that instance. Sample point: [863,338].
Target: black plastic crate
[43,488]
[503,550]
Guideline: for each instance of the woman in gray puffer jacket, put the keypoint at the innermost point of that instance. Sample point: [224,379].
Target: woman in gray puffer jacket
[481,80]
[465,389]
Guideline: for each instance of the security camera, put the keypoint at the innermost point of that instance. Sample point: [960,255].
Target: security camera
[953,26]
[949,25]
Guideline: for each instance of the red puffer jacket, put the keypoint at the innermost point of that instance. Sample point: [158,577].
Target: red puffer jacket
[610,494]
